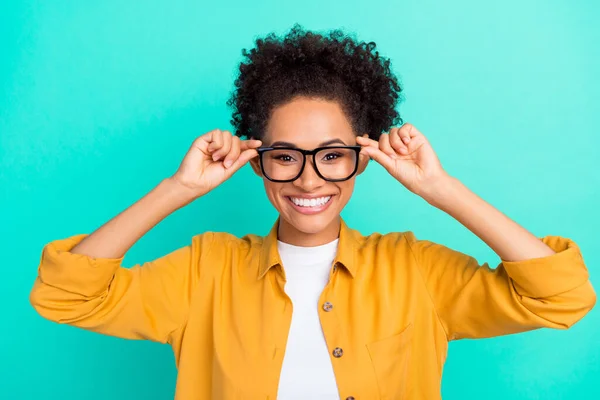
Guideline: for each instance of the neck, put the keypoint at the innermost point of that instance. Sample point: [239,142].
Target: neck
[287,233]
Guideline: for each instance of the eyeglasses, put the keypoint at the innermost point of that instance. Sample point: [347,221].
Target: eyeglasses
[331,163]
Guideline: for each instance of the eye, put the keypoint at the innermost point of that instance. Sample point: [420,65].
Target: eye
[332,156]
[284,157]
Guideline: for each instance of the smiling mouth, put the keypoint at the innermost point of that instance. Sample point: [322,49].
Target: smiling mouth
[314,203]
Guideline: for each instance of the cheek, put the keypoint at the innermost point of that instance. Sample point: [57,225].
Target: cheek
[346,189]
[345,192]
[273,189]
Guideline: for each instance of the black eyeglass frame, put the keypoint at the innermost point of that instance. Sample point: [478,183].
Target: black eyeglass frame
[305,153]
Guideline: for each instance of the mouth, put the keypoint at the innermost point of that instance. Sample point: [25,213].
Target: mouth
[310,206]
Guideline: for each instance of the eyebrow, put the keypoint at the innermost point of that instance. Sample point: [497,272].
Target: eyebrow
[327,143]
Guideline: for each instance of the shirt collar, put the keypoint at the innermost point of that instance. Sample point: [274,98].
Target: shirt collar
[345,256]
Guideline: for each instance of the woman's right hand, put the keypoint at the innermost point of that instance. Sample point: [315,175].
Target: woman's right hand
[212,159]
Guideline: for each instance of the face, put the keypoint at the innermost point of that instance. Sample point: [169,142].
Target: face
[307,124]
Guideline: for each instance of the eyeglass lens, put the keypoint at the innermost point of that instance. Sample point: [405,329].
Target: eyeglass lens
[332,163]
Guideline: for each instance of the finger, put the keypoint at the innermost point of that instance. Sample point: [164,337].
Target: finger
[384,145]
[203,142]
[208,136]
[216,141]
[407,132]
[222,152]
[417,139]
[244,157]
[396,142]
[366,141]
[234,152]
[416,143]
[376,154]
[250,144]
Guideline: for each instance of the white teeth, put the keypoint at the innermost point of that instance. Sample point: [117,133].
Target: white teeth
[310,202]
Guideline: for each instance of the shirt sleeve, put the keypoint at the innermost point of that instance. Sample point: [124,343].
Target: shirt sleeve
[148,301]
[476,301]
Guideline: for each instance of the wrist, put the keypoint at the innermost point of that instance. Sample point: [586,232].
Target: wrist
[442,191]
[178,192]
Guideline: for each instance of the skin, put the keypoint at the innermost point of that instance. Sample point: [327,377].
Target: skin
[307,124]
[404,152]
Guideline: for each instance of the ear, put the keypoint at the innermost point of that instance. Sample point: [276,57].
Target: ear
[255,164]
[363,160]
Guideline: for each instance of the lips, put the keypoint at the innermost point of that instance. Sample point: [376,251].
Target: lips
[310,202]
[310,205]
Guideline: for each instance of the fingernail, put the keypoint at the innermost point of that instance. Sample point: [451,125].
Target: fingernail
[227,163]
[406,139]
[215,157]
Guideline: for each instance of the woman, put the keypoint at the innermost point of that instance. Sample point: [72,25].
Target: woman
[314,309]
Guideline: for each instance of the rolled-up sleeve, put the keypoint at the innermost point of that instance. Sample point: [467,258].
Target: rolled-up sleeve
[475,301]
[551,275]
[147,301]
[75,273]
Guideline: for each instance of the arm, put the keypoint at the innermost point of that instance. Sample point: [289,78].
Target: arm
[81,280]
[115,238]
[539,283]
[508,239]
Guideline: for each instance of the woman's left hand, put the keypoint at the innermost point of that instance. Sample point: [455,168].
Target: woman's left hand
[407,155]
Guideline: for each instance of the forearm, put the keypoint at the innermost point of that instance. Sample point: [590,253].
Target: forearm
[115,238]
[508,239]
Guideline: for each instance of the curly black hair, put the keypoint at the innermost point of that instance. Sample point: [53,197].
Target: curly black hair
[333,66]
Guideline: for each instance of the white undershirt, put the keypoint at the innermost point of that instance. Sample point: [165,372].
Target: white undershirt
[307,372]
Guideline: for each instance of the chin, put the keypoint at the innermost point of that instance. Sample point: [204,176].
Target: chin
[309,221]
[310,224]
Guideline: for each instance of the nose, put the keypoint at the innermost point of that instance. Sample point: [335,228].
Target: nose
[308,181]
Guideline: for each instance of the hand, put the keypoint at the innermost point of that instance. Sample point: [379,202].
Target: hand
[407,155]
[212,159]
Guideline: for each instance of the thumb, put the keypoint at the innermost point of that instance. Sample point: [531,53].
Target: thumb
[244,157]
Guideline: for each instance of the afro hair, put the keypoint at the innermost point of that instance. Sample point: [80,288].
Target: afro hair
[332,66]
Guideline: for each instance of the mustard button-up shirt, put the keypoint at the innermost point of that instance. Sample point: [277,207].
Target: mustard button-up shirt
[390,308]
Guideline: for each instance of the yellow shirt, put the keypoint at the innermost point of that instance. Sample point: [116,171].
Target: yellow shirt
[391,305]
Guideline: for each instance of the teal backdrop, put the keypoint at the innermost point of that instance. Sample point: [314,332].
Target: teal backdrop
[99,101]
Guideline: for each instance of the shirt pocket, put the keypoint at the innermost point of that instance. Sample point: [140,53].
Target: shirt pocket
[390,358]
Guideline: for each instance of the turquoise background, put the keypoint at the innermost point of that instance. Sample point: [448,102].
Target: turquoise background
[99,101]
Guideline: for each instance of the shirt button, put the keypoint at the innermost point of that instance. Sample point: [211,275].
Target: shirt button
[350,398]
[338,352]
[327,306]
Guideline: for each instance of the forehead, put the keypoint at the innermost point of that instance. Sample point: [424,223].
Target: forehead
[308,122]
